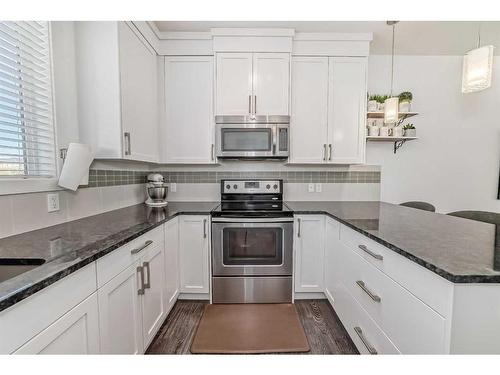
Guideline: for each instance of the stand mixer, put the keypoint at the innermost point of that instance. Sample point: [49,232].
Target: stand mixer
[156,190]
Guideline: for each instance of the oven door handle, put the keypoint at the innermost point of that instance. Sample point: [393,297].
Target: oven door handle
[252,220]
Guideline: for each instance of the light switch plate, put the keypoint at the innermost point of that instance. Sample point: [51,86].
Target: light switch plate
[173,187]
[52,202]
[318,187]
[310,188]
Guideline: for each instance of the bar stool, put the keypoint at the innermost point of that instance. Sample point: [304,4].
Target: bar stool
[419,206]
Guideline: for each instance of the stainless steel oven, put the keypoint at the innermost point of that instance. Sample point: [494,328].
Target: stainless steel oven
[252,244]
[264,137]
[255,247]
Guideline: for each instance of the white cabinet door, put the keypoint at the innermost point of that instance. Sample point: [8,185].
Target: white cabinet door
[171,262]
[194,253]
[139,96]
[234,84]
[76,332]
[153,299]
[309,252]
[309,121]
[120,315]
[271,83]
[332,262]
[188,110]
[347,109]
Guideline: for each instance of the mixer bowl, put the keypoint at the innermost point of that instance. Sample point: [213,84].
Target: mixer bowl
[157,193]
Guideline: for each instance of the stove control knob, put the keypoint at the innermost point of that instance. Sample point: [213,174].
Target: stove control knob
[228,186]
[235,186]
[275,187]
[268,186]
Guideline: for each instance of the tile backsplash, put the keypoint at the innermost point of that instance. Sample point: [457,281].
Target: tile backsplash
[99,178]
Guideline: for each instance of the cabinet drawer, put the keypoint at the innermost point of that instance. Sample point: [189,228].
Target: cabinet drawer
[363,331]
[410,324]
[25,319]
[426,285]
[115,262]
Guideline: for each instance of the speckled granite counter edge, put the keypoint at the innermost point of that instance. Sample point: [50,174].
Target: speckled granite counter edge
[456,279]
[31,289]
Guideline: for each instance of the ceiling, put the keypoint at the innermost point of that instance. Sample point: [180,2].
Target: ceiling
[412,37]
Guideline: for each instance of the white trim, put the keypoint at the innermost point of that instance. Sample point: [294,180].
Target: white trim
[334,36]
[9,186]
[252,32]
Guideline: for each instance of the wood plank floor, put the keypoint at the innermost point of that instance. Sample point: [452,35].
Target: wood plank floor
[324,331]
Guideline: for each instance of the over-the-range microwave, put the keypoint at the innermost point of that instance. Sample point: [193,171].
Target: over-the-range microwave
[256,137]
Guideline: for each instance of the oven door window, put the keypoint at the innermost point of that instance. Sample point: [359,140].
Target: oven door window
[252,246]
[234,139]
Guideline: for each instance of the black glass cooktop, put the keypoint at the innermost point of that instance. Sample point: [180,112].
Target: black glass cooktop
[252,209]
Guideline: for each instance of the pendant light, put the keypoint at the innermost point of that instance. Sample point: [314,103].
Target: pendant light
[477,67]
[391,104]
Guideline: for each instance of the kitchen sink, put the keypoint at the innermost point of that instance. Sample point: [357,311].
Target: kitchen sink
[11,267]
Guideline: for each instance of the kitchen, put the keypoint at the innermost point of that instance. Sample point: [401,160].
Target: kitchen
[249,187]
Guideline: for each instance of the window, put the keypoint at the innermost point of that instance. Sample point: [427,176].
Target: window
[27,147]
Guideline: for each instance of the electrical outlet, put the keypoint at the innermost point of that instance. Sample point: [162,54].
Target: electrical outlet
[318,188]
[52,202]
[173,187]
[310,188]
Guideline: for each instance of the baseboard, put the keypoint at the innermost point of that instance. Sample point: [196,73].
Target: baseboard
[309,295]
[196,296]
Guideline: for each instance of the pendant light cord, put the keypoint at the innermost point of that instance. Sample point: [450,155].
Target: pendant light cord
[392,59]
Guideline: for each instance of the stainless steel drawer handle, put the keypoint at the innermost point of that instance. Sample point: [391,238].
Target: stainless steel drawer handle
[139,249]
[204,228]
[255,104]
[369,252]
[373,296]
[324,152]
[140,271]
[147,284]
[213,152]
[365,342]
[298,227]
[250,104]
[330,152]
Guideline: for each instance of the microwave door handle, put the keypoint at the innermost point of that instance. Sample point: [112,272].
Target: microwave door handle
[275,136]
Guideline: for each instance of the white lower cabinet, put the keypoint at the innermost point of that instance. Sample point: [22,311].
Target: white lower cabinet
[309,251]
[171,262]
[333,262]
[76,332]
[194,240]
[120,316]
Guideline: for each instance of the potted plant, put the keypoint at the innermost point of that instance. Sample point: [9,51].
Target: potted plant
[410,130]
[405,99]
[381,101]
[372,103]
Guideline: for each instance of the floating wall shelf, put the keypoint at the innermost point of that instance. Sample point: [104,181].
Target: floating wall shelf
[398,141]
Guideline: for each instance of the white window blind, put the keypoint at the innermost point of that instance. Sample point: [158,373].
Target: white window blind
[27,147]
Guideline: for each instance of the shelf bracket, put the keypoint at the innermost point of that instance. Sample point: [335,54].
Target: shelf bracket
[398,144]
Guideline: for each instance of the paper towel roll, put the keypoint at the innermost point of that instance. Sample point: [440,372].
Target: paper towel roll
[75,170]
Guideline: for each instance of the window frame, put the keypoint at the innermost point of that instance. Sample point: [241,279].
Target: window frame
[31,184]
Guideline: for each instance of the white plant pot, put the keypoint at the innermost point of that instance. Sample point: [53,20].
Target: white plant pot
[410,132]
[404,107]
[372,105]
[397,132]
[384,131]
[373,131]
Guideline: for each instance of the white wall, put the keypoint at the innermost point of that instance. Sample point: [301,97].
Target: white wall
[455,163]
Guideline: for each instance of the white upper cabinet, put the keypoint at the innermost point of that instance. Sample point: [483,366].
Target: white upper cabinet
[252,83]
[188,133]
[234,84]
[328,110]
[271,83]
[309,120]
[347,110]
[139,96]
[117,84]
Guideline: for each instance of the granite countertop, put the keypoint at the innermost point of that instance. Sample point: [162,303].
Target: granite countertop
[459,250]
[70,246]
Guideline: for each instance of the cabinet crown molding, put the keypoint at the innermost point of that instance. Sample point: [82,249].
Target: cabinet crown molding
[252,32]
